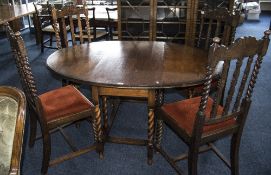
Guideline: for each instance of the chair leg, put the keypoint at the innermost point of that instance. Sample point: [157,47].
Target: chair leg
[46,153]
[33,128]
[51,39]
[235,144]
[192,160]
[159,133]
[42,43]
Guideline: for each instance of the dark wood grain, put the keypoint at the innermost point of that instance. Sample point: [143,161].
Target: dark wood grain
[136,64]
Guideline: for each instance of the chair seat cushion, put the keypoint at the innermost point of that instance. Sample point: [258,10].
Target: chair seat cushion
[62,102]
[50,28]
[99,34]
[183,114]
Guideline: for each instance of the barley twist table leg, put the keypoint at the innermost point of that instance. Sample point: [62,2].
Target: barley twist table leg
[97,123]
[105,115]
[151,105]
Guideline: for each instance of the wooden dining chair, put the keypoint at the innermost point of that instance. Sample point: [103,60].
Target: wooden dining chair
[53,110]
[201,120]
[112,29]
[217,22]
[98,30]
[77,19]
[43,26]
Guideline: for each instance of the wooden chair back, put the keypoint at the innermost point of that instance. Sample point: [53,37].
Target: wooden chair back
[23,66]
[74,17]
[244,56]
[217,23]
[109,11]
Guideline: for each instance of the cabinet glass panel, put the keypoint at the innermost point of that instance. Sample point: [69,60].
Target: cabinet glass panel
[171,20]
[135,19]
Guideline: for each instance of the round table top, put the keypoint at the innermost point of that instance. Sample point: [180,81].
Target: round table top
[131,64]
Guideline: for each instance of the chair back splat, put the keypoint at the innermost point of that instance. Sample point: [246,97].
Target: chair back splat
[77,20]
[202,120]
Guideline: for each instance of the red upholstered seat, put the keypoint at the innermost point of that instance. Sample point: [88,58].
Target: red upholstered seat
[63,101]
[183,113]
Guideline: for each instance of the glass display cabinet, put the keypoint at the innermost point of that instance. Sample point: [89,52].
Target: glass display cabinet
[163,20]
[172,20]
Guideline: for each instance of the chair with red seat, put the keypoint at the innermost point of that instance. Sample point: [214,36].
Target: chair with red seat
[53,110]
[202,120]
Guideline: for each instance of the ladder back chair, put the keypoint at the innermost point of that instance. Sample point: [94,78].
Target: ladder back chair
[200,121]
[112,28]
[217,22]
[52,110]
[77,19]
[43,26]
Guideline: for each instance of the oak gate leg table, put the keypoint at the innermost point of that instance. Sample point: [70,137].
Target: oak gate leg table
[129,69]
